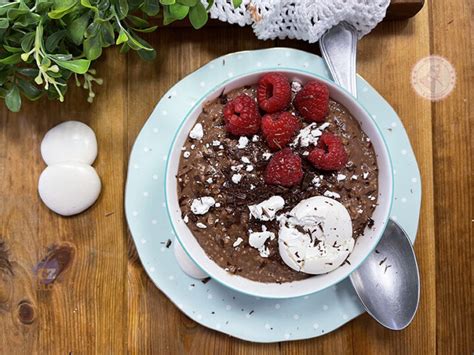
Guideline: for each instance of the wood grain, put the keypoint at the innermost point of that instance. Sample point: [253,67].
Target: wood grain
[102,302]
[452,30]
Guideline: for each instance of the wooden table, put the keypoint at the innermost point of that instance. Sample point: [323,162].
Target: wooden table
[102,301]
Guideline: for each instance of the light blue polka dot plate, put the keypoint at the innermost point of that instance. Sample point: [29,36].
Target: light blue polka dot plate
[211,304]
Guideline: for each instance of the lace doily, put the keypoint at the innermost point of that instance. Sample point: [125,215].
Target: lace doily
[301,19]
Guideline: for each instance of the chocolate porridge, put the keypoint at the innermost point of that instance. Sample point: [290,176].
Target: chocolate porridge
[230,170]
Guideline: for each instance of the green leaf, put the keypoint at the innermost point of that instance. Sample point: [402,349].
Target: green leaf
[12,49]
[78,66]
[77,28]
[198,16]
[26,20]
[4,23]
[151,7]
[138,22]
[86,3]
[122,37]
[107,34]
[122,8]
[53,40]
[125,48]
[31,91]
[138,43]
[13,14]
[61,8]
[147,55]
[146,30]
[11,59]
[167,17]
[92,48]
[5,6]
[189,3]
[178,11]
[167,2]
[27,42]
[60,56]
[13,99]
[28,72]
[92,29]
[43,6]
[236,3]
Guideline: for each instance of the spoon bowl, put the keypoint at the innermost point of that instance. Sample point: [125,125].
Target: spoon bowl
[388,281]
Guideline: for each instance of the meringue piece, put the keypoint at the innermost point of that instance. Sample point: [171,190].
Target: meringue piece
[202,205]
[331,194]
[237,242]
[316,236]
[267,155]
[69,188]
[296,86]
[243,141]
[309,135]
[266,210]
[236,178]
[257,240]
[70,141]
[197,132]
[245,160]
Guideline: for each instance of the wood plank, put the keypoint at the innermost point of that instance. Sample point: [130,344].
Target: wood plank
[387,65]
[452,34]
[82,310]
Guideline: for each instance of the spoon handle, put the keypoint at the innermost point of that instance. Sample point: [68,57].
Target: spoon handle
[339,49]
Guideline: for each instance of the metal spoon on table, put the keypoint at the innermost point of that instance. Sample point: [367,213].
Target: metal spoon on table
[390,294]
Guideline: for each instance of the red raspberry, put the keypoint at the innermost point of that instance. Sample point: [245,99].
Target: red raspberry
[312,102]
[279,129]
[273,92]
[284,169]
[329,154]
[241,116]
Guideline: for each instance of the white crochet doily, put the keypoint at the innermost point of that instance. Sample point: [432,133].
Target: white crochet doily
[301,19]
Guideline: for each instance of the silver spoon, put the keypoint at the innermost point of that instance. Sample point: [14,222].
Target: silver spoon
[388,281]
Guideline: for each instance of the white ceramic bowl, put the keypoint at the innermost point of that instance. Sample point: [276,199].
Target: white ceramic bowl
[364,244]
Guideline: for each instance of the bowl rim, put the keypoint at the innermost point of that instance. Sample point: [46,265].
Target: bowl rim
[221,86]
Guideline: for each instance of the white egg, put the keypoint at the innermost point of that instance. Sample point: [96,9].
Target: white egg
[186,264]
[69,141]
[69,188]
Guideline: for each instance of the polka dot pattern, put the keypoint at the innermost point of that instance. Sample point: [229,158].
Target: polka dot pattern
[207,302]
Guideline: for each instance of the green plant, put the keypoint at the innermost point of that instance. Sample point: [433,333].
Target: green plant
[45,42]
